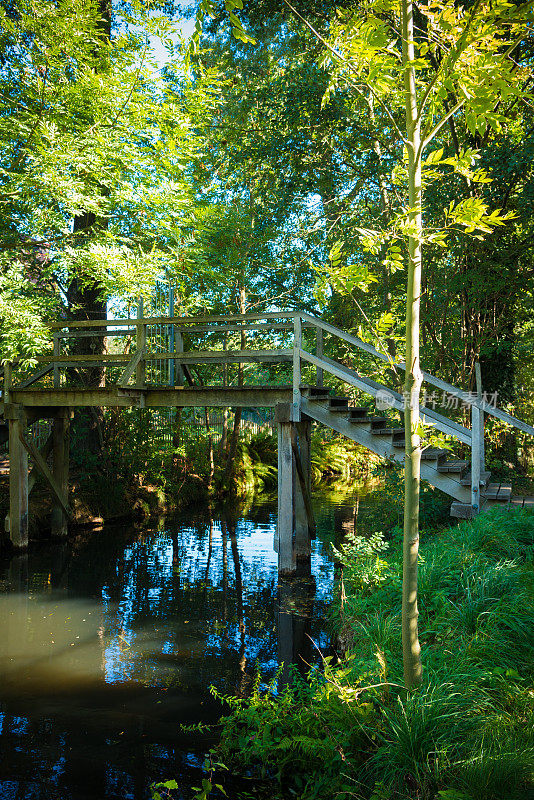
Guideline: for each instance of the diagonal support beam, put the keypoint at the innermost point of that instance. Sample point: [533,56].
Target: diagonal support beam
[131,368]
[302,482]
[42,466]
[45,451]
[35,376]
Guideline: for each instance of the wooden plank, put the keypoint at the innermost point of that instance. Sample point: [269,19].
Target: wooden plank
[42,466]
[91,334]
[130,369]
[182,321]
[164,397]
[193,330]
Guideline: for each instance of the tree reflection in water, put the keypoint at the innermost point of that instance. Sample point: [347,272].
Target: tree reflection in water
[111,641]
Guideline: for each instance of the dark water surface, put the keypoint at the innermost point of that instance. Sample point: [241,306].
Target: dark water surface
[110,642]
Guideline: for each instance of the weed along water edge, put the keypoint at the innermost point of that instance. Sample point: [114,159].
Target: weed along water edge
[110,643]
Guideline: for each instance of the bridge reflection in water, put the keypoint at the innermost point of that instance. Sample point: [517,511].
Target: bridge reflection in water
[109,643]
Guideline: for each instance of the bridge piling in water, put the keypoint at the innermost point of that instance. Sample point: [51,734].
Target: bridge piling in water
[295,521]
[17,520]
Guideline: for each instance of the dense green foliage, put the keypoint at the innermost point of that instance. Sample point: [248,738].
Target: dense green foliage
[354,732]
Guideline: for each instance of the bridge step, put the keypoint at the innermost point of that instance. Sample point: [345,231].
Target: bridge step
[455,465]
[498,491]
[338,404]
[484,478]
[462,511]
[359,414]
[433,454]
[378,428]
[522,502]
[319,398]
[315,391]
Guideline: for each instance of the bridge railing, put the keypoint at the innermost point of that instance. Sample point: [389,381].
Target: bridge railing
[145,340]
[474,436]
[282,339]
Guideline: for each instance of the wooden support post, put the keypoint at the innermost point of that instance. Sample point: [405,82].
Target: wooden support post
[319,351]
[478,376]
[286,495]
[475,459]
[18,478]
[140,370]
[60,469]
[57,374]
[297,347]
[304,522]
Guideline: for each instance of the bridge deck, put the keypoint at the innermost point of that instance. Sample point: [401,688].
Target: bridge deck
[164,397]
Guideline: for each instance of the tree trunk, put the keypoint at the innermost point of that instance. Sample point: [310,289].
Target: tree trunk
[412,472]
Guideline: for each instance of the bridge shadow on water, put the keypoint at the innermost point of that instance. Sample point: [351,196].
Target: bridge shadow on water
[109,643]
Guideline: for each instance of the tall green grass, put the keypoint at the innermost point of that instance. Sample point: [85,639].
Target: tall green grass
[466,734]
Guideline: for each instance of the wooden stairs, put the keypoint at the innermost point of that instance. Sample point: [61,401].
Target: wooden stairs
[377,433]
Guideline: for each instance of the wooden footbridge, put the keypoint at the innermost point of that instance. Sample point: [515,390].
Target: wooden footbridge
[148,365]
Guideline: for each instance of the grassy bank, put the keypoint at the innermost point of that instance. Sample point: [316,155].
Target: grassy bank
[353,732]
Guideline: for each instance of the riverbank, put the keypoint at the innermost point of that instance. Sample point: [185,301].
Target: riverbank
[353,732]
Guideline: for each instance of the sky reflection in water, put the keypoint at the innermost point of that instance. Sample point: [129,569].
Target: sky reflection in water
[109,643]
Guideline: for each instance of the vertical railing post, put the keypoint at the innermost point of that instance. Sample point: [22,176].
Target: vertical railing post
[319,352]
[297,347]
[57,378]
[478,376]
[140,370]
[475,459]
[179,349]
[8,382]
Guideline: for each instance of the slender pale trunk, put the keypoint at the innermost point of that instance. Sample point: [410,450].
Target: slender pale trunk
[412,475]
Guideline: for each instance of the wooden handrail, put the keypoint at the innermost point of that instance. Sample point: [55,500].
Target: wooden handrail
[469,398]
[213,323]
[447,426]
[103,323]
